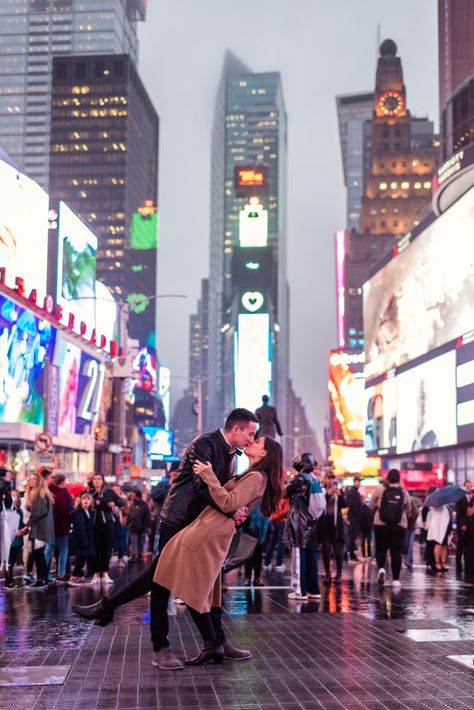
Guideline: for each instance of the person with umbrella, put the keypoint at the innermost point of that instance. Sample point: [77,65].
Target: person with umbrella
[438,521]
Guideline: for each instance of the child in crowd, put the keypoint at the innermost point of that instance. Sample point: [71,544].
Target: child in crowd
[81,543]
[17,544]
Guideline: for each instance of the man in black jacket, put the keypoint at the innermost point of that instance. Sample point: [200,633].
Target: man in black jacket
[354,503]
[461,526]
[5,490]
[187,498]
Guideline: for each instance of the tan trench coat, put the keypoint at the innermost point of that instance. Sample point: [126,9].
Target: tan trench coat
[190,563]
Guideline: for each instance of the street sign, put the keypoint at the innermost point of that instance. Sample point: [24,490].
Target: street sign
[43,442]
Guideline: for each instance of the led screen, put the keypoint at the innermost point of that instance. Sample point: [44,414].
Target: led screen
[68,360]
[77,247]
[144,370]
[426,405]
[164,390]
[253,226]
[424,297]
[380,429]
[144,227]
[89,393]
[346,396]
[353,459]
[465,392]
[252,360]
[26,343]
[23,229]
[159,442]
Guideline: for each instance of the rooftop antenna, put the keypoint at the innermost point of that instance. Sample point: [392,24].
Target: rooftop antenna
[378,41]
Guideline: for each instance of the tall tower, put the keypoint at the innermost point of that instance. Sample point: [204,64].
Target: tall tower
[32,32]
[248,212]
[456,46]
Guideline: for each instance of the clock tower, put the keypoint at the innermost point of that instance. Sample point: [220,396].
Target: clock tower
[398,186]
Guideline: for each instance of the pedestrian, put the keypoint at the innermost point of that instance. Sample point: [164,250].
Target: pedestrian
[461,526]
[62,508]
[16,548]
[39,502]
[257,526]
[105,501]
[366,528]
[81,542]
[306,505]
[268,419]
[392,506]
[139,521]
[187,498]
[275,541]
[331,528]
[411,533]
[438,526]
[190,564]
[120,543]
[429,544]
[354,505]
[5,490]
[469,548]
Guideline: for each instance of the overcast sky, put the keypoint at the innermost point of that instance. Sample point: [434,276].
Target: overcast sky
[322,48]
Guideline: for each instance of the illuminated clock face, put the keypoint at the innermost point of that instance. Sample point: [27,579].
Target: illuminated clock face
[391,103]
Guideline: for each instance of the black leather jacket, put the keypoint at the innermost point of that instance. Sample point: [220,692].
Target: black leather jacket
[5,494]
[189,495]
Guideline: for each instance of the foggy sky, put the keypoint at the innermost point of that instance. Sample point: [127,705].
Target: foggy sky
[322,48]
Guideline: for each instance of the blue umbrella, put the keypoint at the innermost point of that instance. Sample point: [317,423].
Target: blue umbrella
[445,496]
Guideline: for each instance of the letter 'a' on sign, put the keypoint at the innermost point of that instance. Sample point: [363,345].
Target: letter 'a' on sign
[253,226]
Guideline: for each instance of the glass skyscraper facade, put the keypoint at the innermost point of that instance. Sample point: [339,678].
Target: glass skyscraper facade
[249,130]
[32,32]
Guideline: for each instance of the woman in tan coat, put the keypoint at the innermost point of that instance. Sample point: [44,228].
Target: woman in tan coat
[190,564]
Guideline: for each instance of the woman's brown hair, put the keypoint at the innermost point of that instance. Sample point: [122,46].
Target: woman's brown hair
[272,466]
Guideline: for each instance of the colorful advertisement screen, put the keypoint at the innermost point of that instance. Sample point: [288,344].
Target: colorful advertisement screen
[144,370]
[24,209]
[424,297]
[346,396]
[77,248]
[426,405]
[144,227]
[26,344]
[89,395]
[252,360]
[159,442]
[68,359]
[465,392]
[380,428]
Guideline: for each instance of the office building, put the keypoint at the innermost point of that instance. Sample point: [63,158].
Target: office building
[104,164]
[248,242]
[456,46]
[32,32]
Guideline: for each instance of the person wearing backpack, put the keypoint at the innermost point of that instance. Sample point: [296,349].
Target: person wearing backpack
[307,503]
[392,505]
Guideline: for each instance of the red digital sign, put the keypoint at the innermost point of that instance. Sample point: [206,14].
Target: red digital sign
[250,180]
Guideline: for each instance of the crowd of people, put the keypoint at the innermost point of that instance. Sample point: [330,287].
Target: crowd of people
[66,539]
[189,525]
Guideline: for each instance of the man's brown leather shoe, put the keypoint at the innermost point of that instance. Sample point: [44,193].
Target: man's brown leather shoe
[235,654]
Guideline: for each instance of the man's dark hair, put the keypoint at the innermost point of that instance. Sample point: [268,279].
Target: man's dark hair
[240,417]
[59,478]
[393,476]
[138,494]
[3,471]
[46,472]
[356,478]
[265,398]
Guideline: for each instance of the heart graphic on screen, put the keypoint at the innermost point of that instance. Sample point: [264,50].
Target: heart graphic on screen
[252,301]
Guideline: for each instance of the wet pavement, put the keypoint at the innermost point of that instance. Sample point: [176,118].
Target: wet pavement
[358,647]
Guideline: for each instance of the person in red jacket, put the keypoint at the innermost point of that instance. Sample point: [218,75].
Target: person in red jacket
[277,524]
[62,508]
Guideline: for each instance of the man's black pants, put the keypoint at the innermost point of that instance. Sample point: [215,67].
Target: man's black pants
[143,583]
[389,538]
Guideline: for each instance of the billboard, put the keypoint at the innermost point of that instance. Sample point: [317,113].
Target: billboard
[144,370]
[252,360]
[426,405]
[352,460]
[424,297]
[164,383]
[346,396]
[76,270]
[465,391]
[380,428]
[159,443]
[89,394]
[26,345]
[23,229]
[250,180]
[67,358]
[144,227]
[253,226]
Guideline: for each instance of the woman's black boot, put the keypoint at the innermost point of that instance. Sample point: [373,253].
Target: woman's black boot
[212,652]
[101,612]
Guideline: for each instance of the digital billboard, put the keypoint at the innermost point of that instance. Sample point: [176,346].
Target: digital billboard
[424,296]
[26,345]
[159,443]
[426,405]
[23,229]
[346,387]
[144,370]
[250,180]
[144,227]
[252,360]
[253,226]
[67,358]
[164,383]
[89,394]
[76,275]
[465,391]
[352,460]
[380,427]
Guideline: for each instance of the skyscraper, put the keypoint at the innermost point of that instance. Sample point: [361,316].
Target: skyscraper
[354,112]
[456,46]
[32,32]
[104,164]
[248,238]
